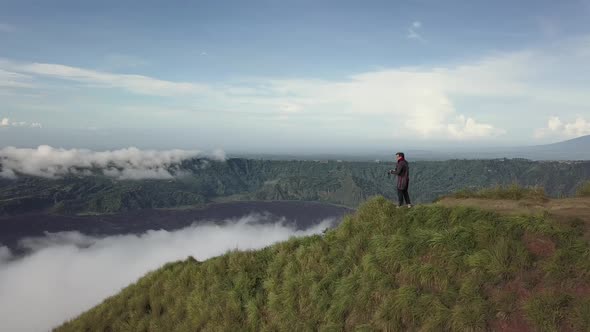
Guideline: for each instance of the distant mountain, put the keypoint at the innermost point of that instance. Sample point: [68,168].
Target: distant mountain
[574,149]
[579,144]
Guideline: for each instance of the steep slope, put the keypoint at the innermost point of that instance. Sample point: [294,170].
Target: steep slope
[429,268]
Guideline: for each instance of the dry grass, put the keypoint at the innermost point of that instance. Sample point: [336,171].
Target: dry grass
[510,192]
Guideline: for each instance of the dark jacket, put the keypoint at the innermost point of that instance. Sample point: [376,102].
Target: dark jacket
[402,170]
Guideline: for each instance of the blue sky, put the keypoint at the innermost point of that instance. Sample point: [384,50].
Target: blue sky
[272,75]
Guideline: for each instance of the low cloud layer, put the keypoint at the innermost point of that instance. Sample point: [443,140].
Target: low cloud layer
[6,122]
[68,273]
[130,163]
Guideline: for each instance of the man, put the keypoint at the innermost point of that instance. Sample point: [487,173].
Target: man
[402,170]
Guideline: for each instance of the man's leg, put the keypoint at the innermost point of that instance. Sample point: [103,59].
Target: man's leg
[407,197]
[400,197]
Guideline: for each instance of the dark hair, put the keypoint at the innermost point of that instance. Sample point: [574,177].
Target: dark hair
[401,154]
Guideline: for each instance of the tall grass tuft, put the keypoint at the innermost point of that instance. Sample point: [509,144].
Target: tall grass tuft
[584,190]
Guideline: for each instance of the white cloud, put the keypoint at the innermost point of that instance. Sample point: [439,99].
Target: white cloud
[9,79]
[219,154]
[135,83]
[416,102]
[554,124]
[130,163]
[557,128]
[465,128]
[68,273]
[5,122]
[413,31]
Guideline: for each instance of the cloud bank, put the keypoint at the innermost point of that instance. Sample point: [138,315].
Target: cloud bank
[129,164]
[557,128]
[466,99]
[69,273]
[5,122]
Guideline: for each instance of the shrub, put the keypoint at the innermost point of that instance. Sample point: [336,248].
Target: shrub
[584,190]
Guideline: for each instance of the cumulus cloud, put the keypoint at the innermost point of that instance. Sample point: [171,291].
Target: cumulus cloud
[68,273]
[130,163]
[418,100]
[469,128]
[557,128]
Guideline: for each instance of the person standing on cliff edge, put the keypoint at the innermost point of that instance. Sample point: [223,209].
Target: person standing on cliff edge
[402,170]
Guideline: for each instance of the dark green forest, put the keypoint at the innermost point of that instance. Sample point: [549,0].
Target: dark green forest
[199,182]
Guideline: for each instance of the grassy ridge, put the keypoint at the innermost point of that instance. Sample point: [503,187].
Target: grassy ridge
[512,192]
[429,268]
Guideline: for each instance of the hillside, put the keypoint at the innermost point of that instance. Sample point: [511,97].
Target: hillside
[573,149]
[345,183]
[438,267]
[573,145]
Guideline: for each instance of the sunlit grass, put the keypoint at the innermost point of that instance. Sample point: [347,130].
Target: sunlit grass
[429,268]
[511,192]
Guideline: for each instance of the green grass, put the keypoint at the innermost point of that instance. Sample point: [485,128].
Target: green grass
[511,192]
[429,268]
[584,190]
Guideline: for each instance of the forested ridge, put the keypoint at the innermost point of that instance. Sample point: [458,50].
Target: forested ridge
[197,182]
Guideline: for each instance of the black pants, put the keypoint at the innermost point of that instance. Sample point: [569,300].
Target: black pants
[403,194]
